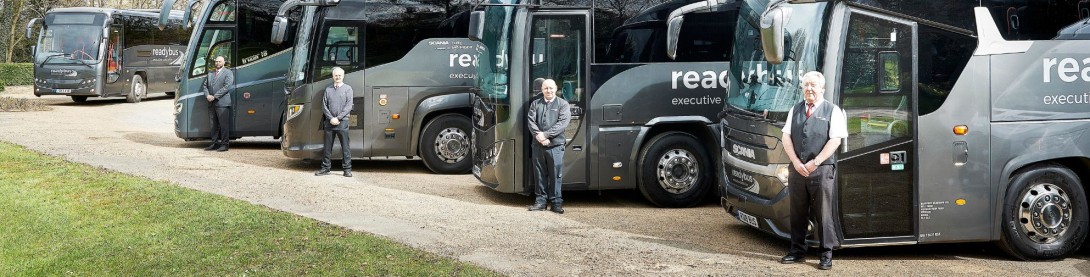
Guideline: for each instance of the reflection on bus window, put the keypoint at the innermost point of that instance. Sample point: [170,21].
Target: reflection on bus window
[214,42]
[224,12]
[340,48]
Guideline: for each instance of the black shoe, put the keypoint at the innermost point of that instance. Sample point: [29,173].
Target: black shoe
[211,147]
[222,149]
[792,259]
[558,208]
[322,172]
[537,207]
[347,173]
[826,263]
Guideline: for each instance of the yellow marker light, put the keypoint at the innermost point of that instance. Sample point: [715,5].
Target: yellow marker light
[616,178]
[960,202]
[250,112]
[389,129]
[961,130]
[395,116]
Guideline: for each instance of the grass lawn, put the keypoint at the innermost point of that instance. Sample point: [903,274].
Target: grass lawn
[62,218]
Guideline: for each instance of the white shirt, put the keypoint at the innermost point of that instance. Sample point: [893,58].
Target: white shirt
[838,124]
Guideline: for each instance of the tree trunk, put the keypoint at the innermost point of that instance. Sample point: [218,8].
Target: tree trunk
[16,11]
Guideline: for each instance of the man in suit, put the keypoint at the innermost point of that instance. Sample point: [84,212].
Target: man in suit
[217,88]
[547,118]
[811,136]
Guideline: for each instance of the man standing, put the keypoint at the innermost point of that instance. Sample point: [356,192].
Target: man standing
[811,137]
[336,107]
[547,118]
[217,88]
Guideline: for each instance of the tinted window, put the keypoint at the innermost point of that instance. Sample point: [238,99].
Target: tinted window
[255,45]
[706,36]
[138,32]
[943,56]
[214,42]
[631,31]
[225,11]
[339,46]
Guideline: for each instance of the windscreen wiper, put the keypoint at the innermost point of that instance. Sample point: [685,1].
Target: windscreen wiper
[731,109]
[50,57]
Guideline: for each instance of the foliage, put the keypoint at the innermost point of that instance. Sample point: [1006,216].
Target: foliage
[16,74]
[62,218]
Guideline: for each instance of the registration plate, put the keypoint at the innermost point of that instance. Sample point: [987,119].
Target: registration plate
[64,90]
[748,219]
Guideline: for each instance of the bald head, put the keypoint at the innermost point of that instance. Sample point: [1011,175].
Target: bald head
[548,89]
[220,62]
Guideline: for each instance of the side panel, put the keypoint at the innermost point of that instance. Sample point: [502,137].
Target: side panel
[259,95]
[386,135]
[942,181]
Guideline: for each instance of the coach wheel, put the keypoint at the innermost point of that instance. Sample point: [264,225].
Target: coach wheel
[444,145]
[674,170]
[79,99]
[138,91]
[1045,214]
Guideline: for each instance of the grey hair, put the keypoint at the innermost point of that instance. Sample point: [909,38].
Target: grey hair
[337,68]
[819,79]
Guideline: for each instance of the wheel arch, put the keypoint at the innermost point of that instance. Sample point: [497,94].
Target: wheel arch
[430,108]
[697,126]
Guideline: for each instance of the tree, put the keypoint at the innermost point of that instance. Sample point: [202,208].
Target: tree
[13,38]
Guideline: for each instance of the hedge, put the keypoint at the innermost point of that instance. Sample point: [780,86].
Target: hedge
[16,74]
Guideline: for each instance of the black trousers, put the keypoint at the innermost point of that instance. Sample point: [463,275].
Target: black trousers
[221,125]
[327,151]
[814,197]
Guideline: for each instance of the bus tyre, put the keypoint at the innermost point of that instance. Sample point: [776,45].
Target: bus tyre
[674,169]
[137,90]
[1044,214]
[444,145]
[79,99]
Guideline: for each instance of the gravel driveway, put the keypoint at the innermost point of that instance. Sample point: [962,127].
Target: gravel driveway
[607,233]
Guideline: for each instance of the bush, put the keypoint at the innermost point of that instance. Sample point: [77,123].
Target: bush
[16,74]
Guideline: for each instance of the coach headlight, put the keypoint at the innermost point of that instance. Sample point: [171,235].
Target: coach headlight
[294,110]
[782,172]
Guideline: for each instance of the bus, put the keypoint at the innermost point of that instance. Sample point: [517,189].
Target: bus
[238,31]
[965,119]
[642,118]
[410,66]
[99,52]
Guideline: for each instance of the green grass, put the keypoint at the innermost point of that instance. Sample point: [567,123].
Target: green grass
[62,218]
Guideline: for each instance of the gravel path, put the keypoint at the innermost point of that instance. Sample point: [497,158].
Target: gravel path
[608,233]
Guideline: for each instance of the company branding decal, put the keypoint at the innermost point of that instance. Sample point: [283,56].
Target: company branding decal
[743,151]
[1067,70]
[63,72]
[462,61]
[695,80]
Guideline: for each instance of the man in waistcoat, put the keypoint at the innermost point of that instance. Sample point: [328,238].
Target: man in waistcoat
[217,88]
[336,109]
[547,119]
[811,137]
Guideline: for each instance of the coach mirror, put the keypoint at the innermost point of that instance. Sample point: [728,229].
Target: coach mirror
[772,35]
[30,27]
[476,25]
[279,29]
[673,22]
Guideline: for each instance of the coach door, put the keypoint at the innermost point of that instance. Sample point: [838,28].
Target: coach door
[876,85]
[558,50]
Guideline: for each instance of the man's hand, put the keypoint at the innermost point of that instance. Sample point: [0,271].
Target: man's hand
[335,121]
[811,166]
[210,98]
[801,169]
[540,137]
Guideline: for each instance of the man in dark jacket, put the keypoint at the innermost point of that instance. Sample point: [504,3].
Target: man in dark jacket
[336,108]
[547,119]
[217,88]
[811,136]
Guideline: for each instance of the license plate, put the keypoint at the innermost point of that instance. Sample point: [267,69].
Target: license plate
[64,91]
[748,219]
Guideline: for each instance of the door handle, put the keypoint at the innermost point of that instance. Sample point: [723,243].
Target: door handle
[961,152]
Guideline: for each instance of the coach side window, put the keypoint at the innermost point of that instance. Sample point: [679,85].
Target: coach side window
[339,46]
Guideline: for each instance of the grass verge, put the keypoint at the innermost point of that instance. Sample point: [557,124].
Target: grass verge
[62,218]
